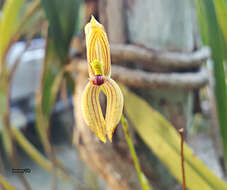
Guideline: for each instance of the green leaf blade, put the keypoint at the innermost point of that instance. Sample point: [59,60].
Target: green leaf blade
[221,12]
[62,21]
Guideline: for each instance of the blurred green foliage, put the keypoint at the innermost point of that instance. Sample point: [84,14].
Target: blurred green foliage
[214,35]
[16,15]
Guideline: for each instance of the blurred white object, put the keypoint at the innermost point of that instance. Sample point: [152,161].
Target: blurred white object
[27,76]
[17,118]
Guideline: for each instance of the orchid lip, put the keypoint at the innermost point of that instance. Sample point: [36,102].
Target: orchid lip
[98,80]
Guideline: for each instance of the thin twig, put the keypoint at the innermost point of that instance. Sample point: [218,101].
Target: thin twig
[140,78]
[181,131]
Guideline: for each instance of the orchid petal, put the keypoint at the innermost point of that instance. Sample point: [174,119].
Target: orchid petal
[92,111]
[97,46]
[114,105]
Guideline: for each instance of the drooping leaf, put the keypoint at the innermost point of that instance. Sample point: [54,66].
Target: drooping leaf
[164,141]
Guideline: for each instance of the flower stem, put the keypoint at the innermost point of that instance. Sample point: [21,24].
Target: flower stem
[142,178]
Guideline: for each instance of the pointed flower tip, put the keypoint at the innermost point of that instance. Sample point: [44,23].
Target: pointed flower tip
[110,136]
[93,21]
[103,139]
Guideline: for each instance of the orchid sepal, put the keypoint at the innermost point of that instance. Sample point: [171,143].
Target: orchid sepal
[99,68]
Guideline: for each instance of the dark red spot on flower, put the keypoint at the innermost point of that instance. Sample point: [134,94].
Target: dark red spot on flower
[98,80]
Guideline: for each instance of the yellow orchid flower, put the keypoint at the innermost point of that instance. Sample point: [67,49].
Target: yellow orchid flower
[99,68]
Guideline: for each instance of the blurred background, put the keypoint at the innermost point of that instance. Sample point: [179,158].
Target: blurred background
[169,58]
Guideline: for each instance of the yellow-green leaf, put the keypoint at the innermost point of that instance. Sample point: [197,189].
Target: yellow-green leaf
[162,138]
[8,22]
